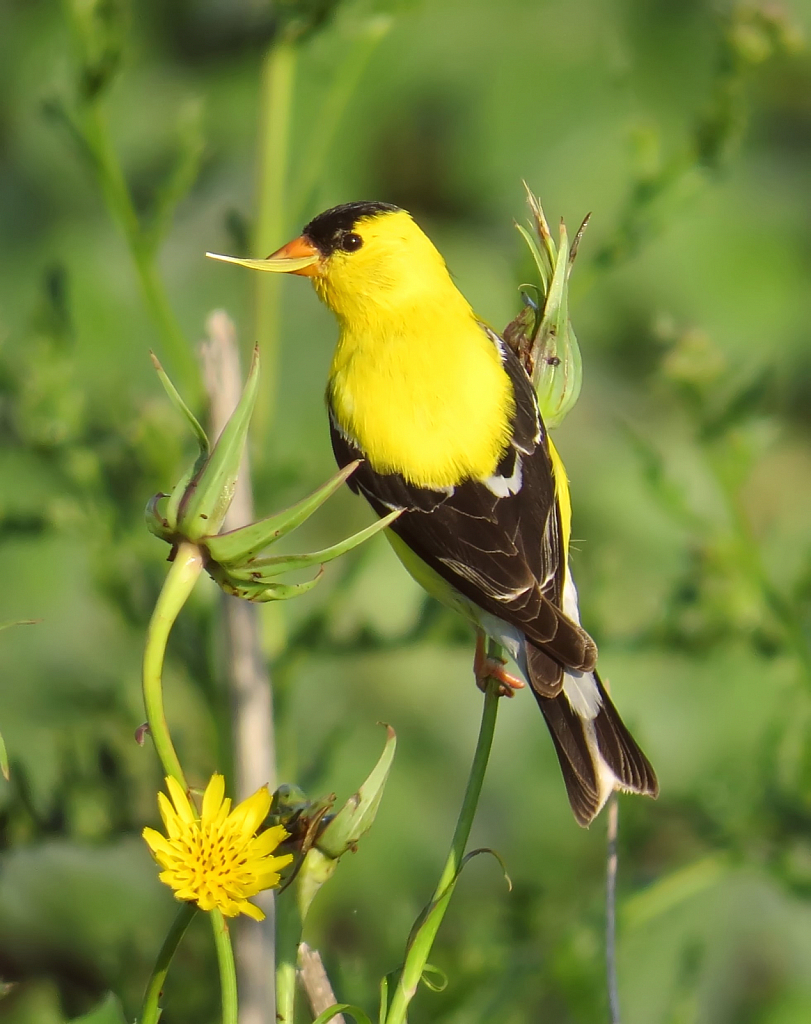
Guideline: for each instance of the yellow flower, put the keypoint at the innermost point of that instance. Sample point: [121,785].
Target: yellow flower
[215,858]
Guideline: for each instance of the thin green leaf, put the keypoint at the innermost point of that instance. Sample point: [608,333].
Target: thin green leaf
[176,497]
[423,931]
[208,497]
[540,263]
[541,224]
[384,1000]
[267,568]
[355,1012]
[492,853]
[577,239]
[429,972]
[262,593]
[355,818]
[180,405]
[286,591]
[237,546]
[155,523]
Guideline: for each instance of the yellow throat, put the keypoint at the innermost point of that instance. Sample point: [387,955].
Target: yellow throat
[415,379]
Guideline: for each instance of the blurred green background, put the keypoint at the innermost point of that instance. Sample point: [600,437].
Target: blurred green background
[685,129]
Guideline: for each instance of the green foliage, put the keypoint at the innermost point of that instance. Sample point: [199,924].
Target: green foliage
[107,1012]
[541,334]
[683,133]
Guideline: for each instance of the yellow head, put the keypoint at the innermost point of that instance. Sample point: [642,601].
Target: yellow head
[366,260]
[415,380]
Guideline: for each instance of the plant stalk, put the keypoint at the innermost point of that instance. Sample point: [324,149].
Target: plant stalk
[254,751]
[120,206]
[278,76]
[228,972]
[611,910]
[420,947]
[180,581]
[150,1010]
[288,936]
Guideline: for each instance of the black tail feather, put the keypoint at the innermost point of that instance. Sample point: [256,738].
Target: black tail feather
[580,742]
[621,751]
[575,757]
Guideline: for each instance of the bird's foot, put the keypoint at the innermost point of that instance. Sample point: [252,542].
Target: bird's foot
[485,667]
[493,668]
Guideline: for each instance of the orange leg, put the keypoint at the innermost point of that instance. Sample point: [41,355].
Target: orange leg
[485,668]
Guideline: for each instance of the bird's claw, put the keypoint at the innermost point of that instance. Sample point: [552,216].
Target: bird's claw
[491,668]
[485,668]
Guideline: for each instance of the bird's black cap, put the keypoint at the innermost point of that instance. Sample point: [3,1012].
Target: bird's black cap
[327,229]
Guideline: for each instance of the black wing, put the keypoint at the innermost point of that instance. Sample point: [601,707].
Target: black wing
[498,541]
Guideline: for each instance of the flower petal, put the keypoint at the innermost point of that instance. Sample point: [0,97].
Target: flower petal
[250,910]
[212,799]
[267,841]
[250,814]
[180,800]
[171,822]
[206,901]
[229,907]
[267,878]
[270,865]
[157,843]
[223,812]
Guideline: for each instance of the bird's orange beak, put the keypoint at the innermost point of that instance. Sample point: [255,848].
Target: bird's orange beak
[297,257]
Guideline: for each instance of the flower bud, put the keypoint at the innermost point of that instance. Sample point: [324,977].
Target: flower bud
[541,334]
[356,816]
[322,845]
[196,508]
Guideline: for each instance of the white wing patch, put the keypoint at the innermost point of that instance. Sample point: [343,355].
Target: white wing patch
[503,486]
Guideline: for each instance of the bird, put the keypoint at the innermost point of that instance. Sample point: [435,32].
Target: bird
[446,425]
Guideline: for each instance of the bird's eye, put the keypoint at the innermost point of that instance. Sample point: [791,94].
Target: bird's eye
[351,242]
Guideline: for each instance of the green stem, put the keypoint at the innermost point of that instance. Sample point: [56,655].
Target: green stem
[179,583]
[332,111]
[120,206]
[420,947]
[611,910]
[150,1010]
[228,972]
[288,936]
[278,75]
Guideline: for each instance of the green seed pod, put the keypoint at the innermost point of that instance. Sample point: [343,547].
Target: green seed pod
[194,511]
[541,334]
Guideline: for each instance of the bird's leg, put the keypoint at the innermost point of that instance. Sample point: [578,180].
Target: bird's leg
[485,667]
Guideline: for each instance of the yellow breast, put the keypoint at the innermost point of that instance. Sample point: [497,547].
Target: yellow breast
[424,395]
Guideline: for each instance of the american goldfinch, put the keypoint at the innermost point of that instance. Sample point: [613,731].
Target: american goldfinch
[447,425]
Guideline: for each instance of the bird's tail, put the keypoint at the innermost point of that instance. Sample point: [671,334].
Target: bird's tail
[597,754]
